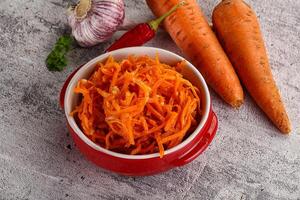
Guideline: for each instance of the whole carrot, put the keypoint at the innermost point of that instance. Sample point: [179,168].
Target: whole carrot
[192,34]
[238,30]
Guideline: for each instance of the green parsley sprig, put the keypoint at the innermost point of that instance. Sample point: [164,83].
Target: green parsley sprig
[56,60]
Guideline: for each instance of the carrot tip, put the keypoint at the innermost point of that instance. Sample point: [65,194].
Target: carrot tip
[286,130]
[237,104]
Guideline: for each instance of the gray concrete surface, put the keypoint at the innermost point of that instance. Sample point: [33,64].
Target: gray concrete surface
[248,159]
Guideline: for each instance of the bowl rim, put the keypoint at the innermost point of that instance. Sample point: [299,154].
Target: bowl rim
[130,51]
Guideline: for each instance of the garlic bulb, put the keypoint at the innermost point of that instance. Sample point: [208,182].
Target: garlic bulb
[94,21]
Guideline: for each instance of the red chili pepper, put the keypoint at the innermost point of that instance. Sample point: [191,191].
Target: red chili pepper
[142,33]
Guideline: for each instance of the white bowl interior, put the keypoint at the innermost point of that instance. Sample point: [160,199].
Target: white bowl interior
[189,72]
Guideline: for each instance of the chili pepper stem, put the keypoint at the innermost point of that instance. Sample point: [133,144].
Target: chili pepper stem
[154,24]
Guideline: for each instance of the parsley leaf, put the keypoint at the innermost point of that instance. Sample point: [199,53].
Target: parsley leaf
[56,60]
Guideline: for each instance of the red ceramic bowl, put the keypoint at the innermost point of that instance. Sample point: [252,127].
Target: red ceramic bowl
[138,165]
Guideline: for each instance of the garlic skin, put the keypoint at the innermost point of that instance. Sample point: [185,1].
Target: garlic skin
[95,21]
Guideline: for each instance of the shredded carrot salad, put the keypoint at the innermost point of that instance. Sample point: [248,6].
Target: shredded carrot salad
[137,106]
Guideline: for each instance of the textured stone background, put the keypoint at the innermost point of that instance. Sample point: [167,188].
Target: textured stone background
[248,159]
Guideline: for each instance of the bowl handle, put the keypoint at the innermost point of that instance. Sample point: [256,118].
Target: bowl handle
[64,88]
[202,145]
